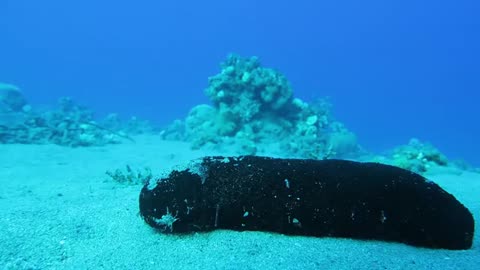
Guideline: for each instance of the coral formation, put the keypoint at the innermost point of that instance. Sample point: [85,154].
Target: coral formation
[417,156]
[11,99]
[254,111]
[68,124]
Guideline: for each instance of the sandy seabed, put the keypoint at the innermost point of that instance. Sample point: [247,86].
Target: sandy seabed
[59,210]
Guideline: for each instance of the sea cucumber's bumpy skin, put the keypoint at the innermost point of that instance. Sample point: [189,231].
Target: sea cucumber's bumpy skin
[335,198]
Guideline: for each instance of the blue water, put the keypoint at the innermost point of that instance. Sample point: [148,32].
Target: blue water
[393,69]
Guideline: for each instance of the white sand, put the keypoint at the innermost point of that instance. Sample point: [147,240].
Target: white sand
[59,210]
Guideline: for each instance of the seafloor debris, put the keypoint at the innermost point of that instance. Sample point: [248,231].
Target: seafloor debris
[68,124]
[131,176]
[254,110]
[334,198]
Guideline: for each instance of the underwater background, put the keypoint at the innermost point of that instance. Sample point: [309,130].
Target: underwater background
[102,100]
[392,70]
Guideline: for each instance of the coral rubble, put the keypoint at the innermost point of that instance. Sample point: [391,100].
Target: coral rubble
[130,176]
[68,124]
